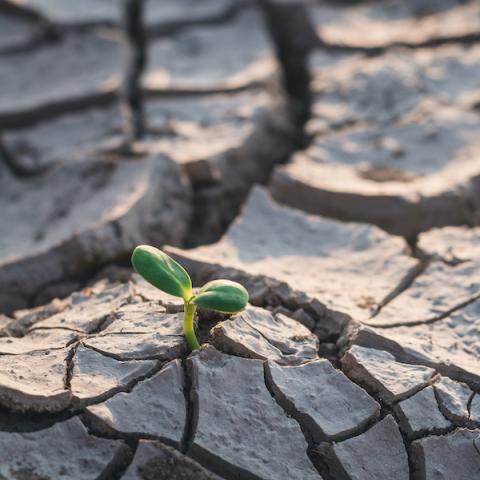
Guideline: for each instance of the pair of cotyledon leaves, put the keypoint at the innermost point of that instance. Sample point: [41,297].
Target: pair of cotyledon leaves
[167,275]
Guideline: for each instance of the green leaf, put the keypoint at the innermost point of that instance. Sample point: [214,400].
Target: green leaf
[162,271]
[223,296]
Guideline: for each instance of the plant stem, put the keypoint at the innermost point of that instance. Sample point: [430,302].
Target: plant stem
[188,329]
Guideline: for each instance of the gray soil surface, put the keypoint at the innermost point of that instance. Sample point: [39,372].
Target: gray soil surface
[324,155]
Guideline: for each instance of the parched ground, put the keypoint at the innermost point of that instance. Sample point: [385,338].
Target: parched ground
[350,210]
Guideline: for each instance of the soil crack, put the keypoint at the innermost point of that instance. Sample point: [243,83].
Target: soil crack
[192,409]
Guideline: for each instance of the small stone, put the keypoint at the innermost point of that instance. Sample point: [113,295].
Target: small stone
[378,371]
[323,400]
[377,454]
[420,415]
[331,325]
[155,407]
[328,350]
[453,398]
[256,333]
[317,307]
[65,451]
[451,456]
[155,461]
[240,427]
[304,318]
[96,376]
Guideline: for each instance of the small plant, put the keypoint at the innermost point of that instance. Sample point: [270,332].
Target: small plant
[164,273]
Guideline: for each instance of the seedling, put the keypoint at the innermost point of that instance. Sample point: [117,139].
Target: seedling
[164,273]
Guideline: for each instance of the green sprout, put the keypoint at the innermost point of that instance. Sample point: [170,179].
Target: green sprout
[164,273]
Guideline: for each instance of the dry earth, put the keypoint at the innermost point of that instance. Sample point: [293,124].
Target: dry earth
[355,232]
